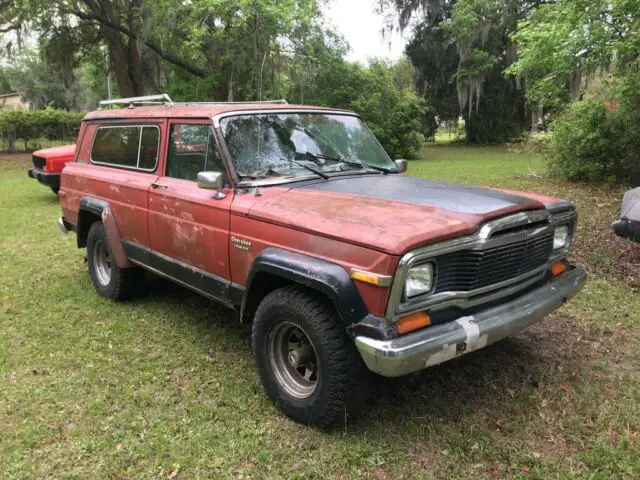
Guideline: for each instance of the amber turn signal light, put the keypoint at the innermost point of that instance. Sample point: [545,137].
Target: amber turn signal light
[371,278]
[413,322]
[558,268]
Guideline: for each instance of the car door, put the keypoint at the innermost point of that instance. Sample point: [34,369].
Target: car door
[189,226]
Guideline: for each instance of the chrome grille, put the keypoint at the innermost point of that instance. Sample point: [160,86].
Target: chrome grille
[504,256]
[468,270]
[39,162]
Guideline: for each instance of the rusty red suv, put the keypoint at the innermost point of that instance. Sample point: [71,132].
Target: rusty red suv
[297,218]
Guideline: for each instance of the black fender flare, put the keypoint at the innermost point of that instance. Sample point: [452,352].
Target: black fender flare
[93,206]
[330,279]
[101,209]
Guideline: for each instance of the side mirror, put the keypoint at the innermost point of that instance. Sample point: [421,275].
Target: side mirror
[212,181]
[401,165]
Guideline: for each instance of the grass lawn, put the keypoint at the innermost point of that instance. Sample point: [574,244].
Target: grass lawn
[164,386]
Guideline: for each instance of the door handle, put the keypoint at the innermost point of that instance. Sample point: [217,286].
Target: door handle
[158,185]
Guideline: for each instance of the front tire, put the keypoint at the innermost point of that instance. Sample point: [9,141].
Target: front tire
[109,280]
[307,364]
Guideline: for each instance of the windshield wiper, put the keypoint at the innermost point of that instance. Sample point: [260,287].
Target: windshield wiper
[363,165]
[351,163]
[316,156]
[311,169]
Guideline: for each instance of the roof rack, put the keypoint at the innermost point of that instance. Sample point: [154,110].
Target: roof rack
[164,99]
[280,101]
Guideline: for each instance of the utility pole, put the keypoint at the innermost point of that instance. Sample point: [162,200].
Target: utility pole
[108,76]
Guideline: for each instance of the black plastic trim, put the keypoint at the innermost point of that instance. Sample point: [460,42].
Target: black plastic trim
[51,180]
[93,205]
[374,327]
[205,283]
[236,293]
[328,278]
[71,227]
[136,252]
[627,229]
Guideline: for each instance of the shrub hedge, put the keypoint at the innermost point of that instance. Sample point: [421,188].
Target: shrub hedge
[598,140]
[20,127]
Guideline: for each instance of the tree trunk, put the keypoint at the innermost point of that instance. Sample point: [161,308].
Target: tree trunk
[230,94]
[125,54]
[223,91]
[126,63]
[536,117]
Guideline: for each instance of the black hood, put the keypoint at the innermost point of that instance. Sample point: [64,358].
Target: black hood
[449,196]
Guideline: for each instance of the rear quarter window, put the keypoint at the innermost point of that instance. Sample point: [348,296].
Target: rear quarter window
[127,146]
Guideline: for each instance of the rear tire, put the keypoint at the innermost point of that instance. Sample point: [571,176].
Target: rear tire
[308,365]
[55,190]
[109,280]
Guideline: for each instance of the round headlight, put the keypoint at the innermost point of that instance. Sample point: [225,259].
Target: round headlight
[561,237]
[419,280]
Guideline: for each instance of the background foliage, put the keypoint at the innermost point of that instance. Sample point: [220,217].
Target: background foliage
[580,57]
[597,140]
[460,50]
[221,50]
[27,125]
[504,67]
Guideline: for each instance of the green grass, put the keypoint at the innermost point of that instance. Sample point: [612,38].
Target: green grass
[165,383]
[445,136]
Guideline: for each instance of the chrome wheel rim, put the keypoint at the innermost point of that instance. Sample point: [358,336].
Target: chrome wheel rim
[293,360]
[102,262]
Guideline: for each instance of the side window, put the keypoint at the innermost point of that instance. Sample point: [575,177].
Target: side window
[126,146]
[192,149]
[149,148]
[116,146]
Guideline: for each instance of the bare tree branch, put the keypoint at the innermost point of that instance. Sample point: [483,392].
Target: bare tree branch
[15,26]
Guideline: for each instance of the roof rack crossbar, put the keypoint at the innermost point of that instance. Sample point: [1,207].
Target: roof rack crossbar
[164,99]
[132,101]
[280,101]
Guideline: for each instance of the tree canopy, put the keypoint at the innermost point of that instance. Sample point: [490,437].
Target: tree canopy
[460,49]
[205,50]
[564,43]
[233,44]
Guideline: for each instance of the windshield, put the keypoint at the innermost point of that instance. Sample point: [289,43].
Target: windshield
[291,145]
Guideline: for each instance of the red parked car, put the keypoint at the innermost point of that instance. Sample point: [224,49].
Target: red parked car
[297,218]
[48,164]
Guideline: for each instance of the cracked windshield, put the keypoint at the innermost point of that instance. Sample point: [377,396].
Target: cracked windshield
[291,145]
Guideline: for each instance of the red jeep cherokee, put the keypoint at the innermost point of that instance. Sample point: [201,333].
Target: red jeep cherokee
[296,217]
[48,164]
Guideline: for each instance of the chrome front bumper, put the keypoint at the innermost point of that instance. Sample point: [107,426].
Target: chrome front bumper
[439,343]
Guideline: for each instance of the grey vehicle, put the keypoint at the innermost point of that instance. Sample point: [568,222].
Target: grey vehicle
[628,226]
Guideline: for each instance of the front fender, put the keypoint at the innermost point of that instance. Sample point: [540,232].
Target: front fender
[328,278]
